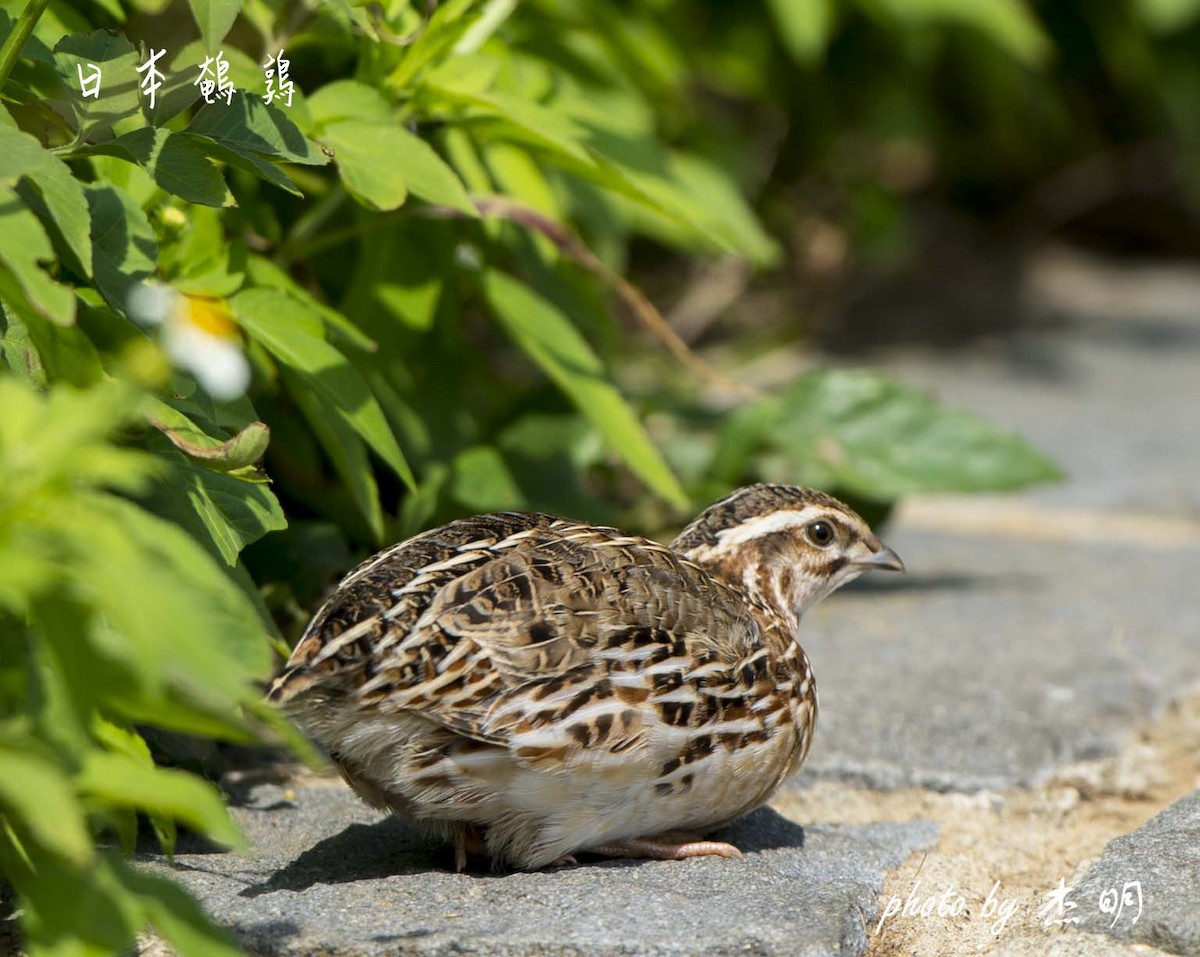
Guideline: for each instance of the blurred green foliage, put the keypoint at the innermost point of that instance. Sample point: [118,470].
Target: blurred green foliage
[422,263]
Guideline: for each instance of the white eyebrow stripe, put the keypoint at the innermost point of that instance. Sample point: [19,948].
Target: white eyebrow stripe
[766,524]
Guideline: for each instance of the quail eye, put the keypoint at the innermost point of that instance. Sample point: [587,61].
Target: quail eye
[820,533]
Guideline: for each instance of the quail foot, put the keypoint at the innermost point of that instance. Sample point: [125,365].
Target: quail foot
[530,686]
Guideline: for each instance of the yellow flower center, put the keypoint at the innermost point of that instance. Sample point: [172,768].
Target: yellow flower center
[209,315]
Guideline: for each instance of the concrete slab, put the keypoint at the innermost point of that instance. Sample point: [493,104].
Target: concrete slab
[328,876]
[995,661]
[1146,886]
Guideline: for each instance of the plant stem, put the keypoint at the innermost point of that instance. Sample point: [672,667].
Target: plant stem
[11,51]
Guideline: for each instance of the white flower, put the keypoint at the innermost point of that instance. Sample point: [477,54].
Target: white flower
[197,334]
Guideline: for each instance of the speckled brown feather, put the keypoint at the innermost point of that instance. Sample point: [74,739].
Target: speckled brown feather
[556,684]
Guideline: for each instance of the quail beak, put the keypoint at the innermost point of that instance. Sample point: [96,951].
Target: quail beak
[882,558]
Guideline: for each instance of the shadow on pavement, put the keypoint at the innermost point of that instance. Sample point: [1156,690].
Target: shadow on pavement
[393,848]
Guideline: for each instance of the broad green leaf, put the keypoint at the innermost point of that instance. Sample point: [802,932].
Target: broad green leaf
[37,796]
[58,199]
[378,161]
[250,125]
[124,247]
[175,163]
[868,435]
[129,178]
[550,340]
[20,154]
[120,90]
[804,27]
[125,781]
[351,15]
[244,159]
[214,18]
[233,512]
[348,100]
[293,334]
[23,247]
[173,613]
[362,152]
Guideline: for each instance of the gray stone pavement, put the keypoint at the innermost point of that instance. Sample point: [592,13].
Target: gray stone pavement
[995,661]
[1163,860]
[328,876]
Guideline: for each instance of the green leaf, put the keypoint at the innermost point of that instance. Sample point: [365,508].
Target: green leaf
[20,353]
[58,199]
[243,159]
[804,27]
[377,161]
[120,92]
[293,334]
[224,455]
[20,154]
[214,18]
[143,574]
[248,125]
[23,282]
[37,796]
[233,512]
[870,436]
[124,246]
[549,338]
[127,782]
[174,161]
[365,163]
[348,100]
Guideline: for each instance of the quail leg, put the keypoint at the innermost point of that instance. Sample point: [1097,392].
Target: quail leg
[467,841]
[669,846]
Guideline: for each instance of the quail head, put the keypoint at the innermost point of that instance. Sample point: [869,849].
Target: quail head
[531,686]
